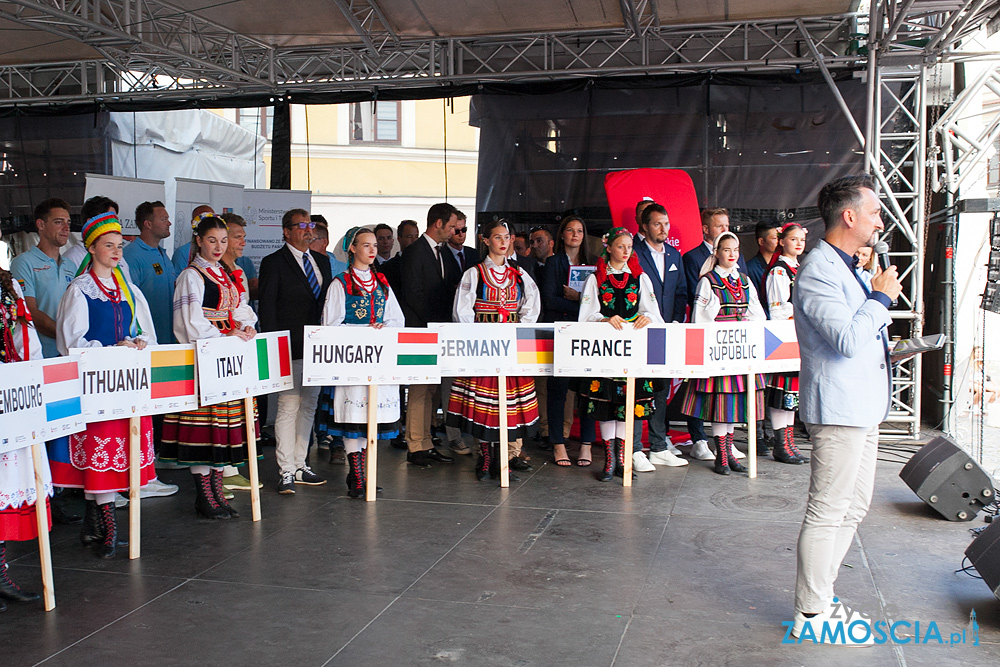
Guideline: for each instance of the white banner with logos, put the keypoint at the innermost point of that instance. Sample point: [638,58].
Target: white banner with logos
[263,210]
[192,193]
[128,192]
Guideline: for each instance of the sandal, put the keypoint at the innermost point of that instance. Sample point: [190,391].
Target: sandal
[562,459]
[584,460]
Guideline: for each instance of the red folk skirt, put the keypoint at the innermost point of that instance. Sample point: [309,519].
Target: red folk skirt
[99,457]
[474,407]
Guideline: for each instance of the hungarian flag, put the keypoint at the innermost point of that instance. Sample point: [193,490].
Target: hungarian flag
[172,373]
[416,348]
[535,346]
[62,390]
[274,357]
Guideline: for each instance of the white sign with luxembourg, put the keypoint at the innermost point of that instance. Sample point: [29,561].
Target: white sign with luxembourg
[347,355]
[230,369]
[491,349]
[22,409]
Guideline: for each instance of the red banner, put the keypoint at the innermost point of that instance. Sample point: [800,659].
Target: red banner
[671,188]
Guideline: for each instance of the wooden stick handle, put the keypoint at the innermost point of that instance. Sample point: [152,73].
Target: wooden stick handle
[629,430]
[252,459]
[42,517]
[752,425]
[134,480]
[371,457]
[504,440]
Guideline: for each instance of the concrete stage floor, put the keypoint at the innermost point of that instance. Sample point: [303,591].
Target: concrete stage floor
[686,568]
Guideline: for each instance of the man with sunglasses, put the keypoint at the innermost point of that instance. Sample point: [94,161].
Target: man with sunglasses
[293,285]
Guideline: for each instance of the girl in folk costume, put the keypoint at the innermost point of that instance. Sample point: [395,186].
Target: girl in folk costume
[18,495]
[494,291]
[616,293]
[209,302]
[100,309]
[360,297]
[724,295]
[782,394]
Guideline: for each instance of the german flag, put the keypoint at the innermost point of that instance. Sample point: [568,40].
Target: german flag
[535,345]
[172,373]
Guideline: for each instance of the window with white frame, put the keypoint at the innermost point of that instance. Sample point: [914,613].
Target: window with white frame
[257,119]
[375,123]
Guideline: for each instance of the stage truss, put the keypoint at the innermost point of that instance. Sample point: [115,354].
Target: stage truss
[151,51]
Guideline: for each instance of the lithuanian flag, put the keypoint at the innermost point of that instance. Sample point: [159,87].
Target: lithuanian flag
[535,346]
[172,373]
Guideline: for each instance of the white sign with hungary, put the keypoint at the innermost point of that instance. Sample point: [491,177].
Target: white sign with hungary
[347,355]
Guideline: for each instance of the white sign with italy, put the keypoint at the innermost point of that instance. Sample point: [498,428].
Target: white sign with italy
[231,369]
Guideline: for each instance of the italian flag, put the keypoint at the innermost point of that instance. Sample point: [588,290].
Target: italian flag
[274,357]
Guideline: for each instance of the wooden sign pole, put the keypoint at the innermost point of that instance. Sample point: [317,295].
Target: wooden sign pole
[134,479]
[42,517]
[371,456]
[629,430]
[502,407]
[752,424]
[252,458]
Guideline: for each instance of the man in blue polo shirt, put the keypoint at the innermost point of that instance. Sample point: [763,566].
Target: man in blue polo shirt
[151,269]
[43,273]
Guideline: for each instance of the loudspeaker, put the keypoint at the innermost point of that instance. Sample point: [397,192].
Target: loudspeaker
[947,479]
[984,553]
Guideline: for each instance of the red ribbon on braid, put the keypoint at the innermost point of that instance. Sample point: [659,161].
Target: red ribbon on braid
[601,274]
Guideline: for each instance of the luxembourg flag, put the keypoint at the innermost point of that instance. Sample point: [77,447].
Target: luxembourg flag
[780,341]
[61,389]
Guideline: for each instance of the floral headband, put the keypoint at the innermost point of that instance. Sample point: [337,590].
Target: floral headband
[200,217]
[614,233]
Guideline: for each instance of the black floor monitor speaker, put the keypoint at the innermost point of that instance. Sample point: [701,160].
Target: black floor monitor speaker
[984,553]
[947,479]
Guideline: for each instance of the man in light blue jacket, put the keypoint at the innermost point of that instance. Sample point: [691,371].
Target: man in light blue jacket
[841,317]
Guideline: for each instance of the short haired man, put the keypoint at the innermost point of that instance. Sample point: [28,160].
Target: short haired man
[766,233]
[542,244]
[407,232]
[293,285]
[151,269]
[427,296]
[521,244]
[94,206]
[43,274]
[640,206]
[665,269]
[384,241]
[841,318]
[714,221]
[182,255]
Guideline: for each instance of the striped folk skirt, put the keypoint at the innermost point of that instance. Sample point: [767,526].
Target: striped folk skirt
[474,407]
[99,460]
[214,435]
[722,400]
[783,391]
[603,399]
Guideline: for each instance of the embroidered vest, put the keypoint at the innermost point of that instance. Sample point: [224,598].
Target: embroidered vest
[222,297]
[734,306]
[361,307]
[622,301]
[497,301]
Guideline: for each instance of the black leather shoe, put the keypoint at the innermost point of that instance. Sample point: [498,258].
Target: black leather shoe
[434,455]
[519,464]
[398,443]
[60,515]
[419,459]
[436,441]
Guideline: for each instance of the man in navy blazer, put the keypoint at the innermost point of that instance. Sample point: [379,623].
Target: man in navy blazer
[714,221]
[664,267]
[844,387]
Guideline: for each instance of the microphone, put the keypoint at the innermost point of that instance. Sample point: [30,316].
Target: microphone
[882,250]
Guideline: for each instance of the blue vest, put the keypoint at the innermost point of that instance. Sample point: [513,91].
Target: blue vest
[358,307]
[109,321]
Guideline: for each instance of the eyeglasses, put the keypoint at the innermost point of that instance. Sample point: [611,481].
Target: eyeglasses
[461,230]
[538,228]
[303,225]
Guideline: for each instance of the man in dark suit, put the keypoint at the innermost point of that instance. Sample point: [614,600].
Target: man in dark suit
[293,285]
[427,296]
[664,267]
[714,221]
[406,233]
[522,255]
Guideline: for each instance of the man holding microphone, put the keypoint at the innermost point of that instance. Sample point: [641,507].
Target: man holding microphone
[845,380]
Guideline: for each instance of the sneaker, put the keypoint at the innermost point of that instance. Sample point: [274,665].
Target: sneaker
[286,484]
[826,627]
[737,453]
[157,489]
[160,464]
[305,475]
[667,458]
[640,463]
[459,447]
[121,500]
[238,482]
[673,450]
[701,452]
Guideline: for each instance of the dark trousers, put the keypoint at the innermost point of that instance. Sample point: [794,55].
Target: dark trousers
[556,406]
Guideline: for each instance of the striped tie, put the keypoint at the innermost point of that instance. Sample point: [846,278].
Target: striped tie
[310,275]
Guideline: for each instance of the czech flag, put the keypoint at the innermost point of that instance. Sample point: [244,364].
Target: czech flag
[775,347]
